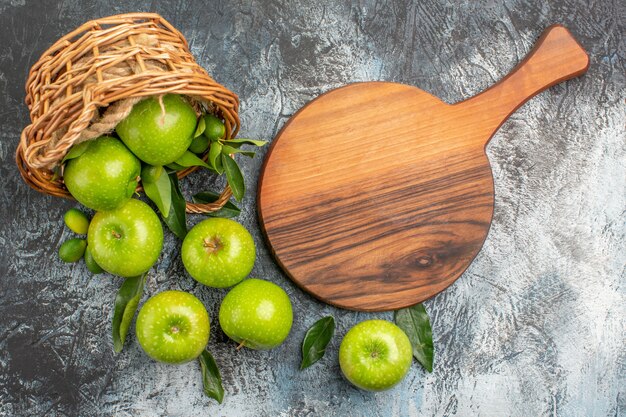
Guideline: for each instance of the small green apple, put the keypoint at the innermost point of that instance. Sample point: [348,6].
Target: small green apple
[104,176]
[215,128]
[91,263]
[199,144]
[375,355]
[126,241]
[159,137]
[173,327]
[76,221]
[151,173]
[218,252]
[72,250]
[256,314]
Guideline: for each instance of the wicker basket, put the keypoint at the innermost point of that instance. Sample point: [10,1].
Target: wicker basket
[88,81]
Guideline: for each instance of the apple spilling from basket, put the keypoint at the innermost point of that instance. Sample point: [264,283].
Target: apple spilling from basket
[106,125]
[160,136]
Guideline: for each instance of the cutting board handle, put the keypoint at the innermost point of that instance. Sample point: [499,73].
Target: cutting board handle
[556,57]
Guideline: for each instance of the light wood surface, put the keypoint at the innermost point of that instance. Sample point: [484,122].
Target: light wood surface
[376,196]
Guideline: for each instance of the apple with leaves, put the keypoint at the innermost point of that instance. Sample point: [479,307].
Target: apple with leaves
[214,129]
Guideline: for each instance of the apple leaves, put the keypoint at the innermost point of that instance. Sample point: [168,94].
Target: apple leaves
[76,151]
[159,191]
[126,303]
[221,159]
[315,341]
[163,188]
[189,159]
[415,323]
[215,150]
[220,155]
[245,141]
[229,150]
[211,379]
[233,176]
[176,219]
[200,128]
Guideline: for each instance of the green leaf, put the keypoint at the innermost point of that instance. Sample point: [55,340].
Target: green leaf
[214,161]
[56,174]
[234,177]
[315,341]
[231,144]
[229,150]
[160,192]
[189,159]
[126,303]
[219,167]
[76,151]
[175,167]
[200,128]
[246,141]
[416,324]
[176,219]
[211,379]
[229,210]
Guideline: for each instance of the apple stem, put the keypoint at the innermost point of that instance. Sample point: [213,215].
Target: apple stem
[241,344]
[115,234]
[212,244]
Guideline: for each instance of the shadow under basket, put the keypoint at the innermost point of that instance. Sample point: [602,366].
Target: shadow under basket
[88,81]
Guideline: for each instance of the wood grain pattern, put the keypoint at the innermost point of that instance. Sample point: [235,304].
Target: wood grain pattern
[376,196]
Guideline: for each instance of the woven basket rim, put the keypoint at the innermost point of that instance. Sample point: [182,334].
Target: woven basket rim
[73,102]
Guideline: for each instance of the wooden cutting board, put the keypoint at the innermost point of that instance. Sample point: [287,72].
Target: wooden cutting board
[376,196]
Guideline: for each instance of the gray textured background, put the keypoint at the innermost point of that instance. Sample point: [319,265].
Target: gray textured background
[535,327]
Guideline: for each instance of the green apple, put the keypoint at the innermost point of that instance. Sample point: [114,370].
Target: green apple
[173,327]
[218,252]
[256,314]
[214,127]
[150,173]
[375,355]
[199,144]
[104,176]
[159,136]
[126,241]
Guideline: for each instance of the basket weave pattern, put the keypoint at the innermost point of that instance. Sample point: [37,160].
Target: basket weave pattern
[88,81]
